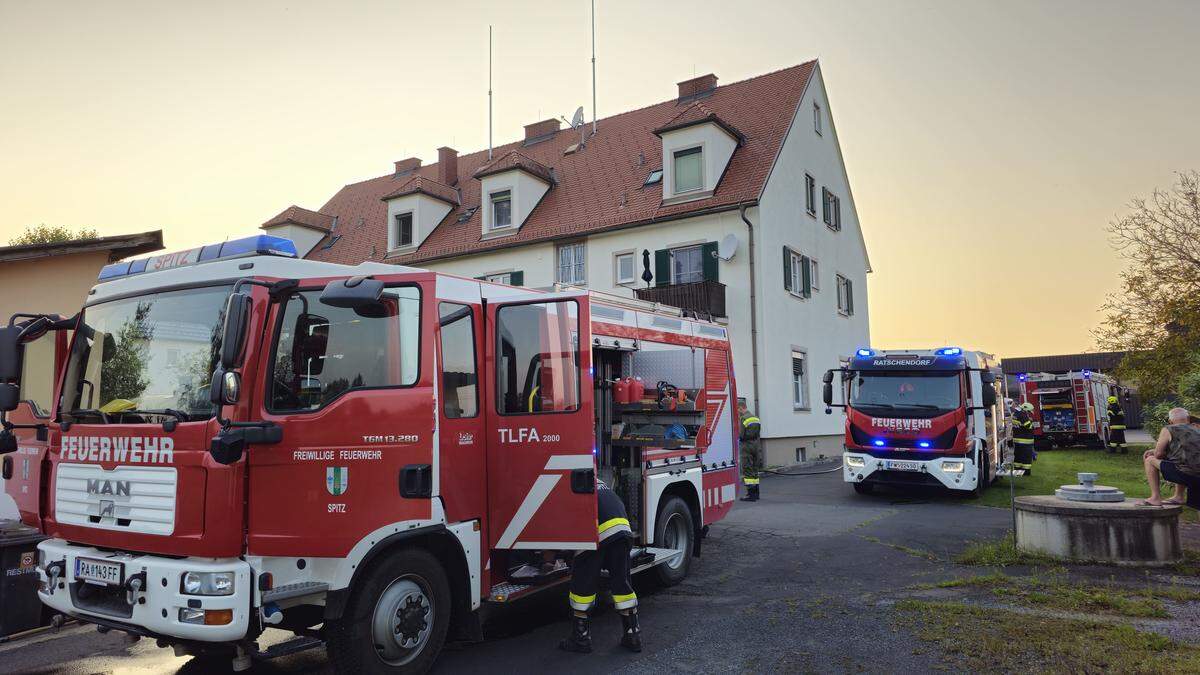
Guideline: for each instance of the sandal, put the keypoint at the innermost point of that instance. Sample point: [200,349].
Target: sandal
[1145,502]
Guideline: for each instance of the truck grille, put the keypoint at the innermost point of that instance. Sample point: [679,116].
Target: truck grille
[128,498]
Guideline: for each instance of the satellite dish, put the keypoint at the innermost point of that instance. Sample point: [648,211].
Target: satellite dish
[577,118]
[727,248]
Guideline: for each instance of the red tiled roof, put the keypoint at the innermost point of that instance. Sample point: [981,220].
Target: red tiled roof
[596,189]
[514,160]
[697,113]
[301,216]
[426,186]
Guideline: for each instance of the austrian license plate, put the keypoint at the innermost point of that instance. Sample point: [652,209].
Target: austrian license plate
[901,465]
[99,571]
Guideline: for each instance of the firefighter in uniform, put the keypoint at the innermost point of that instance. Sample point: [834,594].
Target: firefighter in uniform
[751,455]
[612,554]
[1023,439]
[1116,426]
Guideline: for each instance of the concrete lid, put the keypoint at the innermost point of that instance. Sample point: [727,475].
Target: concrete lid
[1125,509]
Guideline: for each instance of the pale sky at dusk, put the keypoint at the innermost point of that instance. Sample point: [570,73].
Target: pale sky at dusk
[987,143]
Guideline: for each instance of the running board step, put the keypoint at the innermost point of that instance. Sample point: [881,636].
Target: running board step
[293,646]
[296,590]
[662,556]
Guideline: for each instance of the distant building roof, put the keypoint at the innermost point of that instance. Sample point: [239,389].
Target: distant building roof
[298,215]
[1062,363]
[428,186]
[118,247]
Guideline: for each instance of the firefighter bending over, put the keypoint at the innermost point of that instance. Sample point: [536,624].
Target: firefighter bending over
[612,554]
[1116,426]
[751,455]
[1023,440]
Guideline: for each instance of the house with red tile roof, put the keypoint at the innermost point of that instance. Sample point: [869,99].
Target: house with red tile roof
[640,208]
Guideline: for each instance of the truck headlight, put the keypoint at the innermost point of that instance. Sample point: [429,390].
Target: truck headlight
[953,467]
[207,583]
[855,462]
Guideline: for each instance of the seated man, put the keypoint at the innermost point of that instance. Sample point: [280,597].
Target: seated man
[1176,456]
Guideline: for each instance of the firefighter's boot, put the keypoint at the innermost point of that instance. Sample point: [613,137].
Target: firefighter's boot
[751,490]
[580,639]
[631,634]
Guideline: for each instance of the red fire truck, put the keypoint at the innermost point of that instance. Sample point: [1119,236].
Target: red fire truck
[364,456]
[1069,408]
[921,417]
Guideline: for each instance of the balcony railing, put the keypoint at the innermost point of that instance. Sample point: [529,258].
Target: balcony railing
[702,298]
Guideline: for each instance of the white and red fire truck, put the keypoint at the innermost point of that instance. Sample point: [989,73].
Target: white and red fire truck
[1068,409]
[931,417]
[242,440]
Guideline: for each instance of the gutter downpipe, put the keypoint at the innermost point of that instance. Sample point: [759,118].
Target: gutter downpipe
[753,305]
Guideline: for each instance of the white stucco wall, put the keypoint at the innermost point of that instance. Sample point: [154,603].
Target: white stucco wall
[717,146]
[526,191]
[305,238]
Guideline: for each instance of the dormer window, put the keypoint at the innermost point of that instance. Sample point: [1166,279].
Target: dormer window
[501,209]
[689,169]
[404,229]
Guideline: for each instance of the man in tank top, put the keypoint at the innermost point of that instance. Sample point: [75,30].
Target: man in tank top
[1176,458]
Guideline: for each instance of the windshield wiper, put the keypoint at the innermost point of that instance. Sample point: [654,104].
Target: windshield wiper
[96,412]
[177,414]
[926,406]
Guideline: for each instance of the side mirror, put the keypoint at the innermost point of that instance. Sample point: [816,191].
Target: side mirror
[8,442]
[12,353]
[987,377]
[827,393]
[357,293]
[989,396]
[227,448]
[237,320]
[10,396]
[226,387]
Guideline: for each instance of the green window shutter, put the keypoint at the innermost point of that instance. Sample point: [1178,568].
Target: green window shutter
[806,275]
[849,297]
[517,278]
[787,269]
[708,255]
[662,267]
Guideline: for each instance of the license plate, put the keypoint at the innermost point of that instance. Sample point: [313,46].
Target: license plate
[99,571]
[901,465]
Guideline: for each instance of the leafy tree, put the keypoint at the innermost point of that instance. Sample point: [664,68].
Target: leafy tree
[1156,316]
[123,372]
[1186,395]
[52,234]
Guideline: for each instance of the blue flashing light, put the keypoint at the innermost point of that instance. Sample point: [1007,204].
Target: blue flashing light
[1022,377]
[866,352]
[949,351]
[261,244]
[924,444]
[1087,374]
[879,442]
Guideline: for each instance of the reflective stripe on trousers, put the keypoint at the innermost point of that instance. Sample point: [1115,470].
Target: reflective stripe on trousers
[628,601]
[582,602]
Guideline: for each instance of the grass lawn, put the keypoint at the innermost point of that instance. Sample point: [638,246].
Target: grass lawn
[1055,468]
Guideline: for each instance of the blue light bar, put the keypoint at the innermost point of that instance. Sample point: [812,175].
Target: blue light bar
[924,444]
[879,442]
[261,244]
[949,351]
[1087,374]
[866,352]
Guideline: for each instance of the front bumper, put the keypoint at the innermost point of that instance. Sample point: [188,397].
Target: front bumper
[155,608]
[930,471]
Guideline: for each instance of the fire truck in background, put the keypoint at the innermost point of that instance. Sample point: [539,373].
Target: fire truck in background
[932,417]
[364,456]
[1069,409]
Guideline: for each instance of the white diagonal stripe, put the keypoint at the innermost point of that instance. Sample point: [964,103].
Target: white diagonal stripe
[565,462]
[542,487]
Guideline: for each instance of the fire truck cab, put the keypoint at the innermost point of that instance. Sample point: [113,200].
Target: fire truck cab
[931,417]
[364,455]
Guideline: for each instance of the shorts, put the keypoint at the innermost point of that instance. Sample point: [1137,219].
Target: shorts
[1171,472]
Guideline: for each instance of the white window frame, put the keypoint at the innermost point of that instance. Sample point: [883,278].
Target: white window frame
[492,208]
[810,195]
[633,277]
[797,271]
[579,258]
[412,218]
[817,124]
[699,151]
[842,296]
[499,278]
[801,402]
[700,256]
[814,274]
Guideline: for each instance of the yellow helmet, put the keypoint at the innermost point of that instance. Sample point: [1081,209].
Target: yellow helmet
[1112,399]
[1027,406]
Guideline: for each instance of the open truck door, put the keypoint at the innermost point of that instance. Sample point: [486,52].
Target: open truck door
[541,464]
[33,348]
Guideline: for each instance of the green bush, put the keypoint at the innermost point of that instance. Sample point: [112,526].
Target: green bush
[1188,396]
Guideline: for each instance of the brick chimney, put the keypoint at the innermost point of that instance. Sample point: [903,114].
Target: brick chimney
[697,86]
[539,130]
[409,165]
[447,166]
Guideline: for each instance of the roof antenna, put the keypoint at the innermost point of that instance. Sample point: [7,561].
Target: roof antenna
[489,93]
[593,67]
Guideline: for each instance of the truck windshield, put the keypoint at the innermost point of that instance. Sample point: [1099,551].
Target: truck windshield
[905,391]
[142,358]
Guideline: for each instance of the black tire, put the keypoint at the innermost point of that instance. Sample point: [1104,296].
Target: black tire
[864,488]
[350,642]
[675,528]
[982,479]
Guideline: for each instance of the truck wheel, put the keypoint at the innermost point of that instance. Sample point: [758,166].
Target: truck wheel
[396,622]
[864,488]
[981,480]
[675,529]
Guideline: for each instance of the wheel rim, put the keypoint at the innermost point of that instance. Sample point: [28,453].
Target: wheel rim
[403,621]
[676,537]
